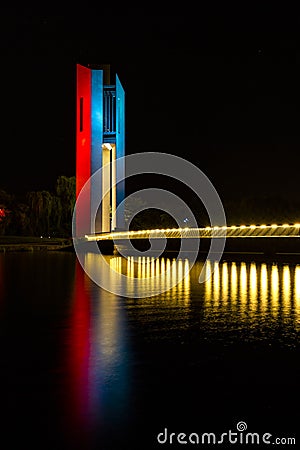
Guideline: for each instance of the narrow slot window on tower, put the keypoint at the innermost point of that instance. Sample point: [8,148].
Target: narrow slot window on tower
[81,114]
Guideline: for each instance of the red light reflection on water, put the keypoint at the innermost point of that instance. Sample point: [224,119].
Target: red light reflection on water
[96,364]
[77,398]
[1,284]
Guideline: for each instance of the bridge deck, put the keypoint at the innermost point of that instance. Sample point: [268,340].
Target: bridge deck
[241,231]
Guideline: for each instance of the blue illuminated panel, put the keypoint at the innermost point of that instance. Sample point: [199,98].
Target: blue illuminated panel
[120,149]
[96,137]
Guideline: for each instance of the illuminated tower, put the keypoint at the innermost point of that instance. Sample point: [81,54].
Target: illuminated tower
[100,139]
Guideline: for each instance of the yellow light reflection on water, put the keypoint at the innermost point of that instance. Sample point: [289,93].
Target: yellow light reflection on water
[148,273]
[208,282]
[152,267]
[274,288]
[253,286]
[143,263]
[216,281]
[186,281]
[168,276]
[263,286]
[297,291]
[297,283]
[129,268]
[225,282]
[178,272]
[286,288]
[157,267]
[174,271]
[243,282]
[139,267]
[233,282]
[208,270]
[173,275]
[180,269]
[162,266]
[116,264]
[180,285]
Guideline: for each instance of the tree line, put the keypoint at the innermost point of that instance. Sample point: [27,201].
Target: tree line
[39,213]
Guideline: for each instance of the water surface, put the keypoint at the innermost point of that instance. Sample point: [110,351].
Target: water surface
[82,368]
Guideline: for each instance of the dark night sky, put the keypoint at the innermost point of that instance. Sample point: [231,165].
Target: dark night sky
[219,87]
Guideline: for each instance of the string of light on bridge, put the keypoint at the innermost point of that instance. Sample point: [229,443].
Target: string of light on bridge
[233,231]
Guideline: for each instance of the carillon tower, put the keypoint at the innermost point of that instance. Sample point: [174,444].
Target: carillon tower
[100,139]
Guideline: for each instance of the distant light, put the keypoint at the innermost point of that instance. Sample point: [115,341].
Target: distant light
[263,226]
[297,225]
[252,226]
[285,225]
[274,225]
[242,226]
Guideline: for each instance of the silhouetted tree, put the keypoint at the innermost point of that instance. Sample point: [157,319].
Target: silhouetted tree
[6,201]
[40,208]
[66,194]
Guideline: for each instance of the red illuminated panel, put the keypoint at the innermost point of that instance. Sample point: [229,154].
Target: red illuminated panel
[83,147]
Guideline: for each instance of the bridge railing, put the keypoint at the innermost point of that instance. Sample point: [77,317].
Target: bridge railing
[234,231]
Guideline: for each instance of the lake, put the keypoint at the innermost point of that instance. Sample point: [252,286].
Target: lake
[83,368]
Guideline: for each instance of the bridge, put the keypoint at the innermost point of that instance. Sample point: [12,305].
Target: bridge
[234,231]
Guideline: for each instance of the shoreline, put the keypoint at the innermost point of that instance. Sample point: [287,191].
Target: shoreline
[33,243]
